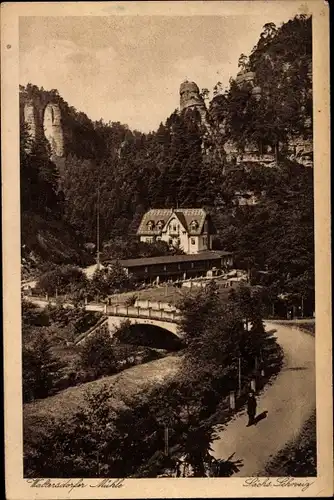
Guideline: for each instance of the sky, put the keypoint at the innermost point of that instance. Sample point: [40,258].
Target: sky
[129,68]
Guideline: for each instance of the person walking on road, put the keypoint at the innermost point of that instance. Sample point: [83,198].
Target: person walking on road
[251,408]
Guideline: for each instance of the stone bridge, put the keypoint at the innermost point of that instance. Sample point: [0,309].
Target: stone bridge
[166,319]
[115,315]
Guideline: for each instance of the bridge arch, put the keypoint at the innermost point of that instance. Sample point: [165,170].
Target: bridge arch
[146,334]
[116,321]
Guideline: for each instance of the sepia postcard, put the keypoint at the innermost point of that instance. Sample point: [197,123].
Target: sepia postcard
[166,249]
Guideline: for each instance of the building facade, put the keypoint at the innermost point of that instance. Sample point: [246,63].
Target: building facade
[189,229]
[175,267]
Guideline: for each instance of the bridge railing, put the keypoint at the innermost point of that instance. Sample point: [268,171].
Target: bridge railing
[154,304]
[140,312]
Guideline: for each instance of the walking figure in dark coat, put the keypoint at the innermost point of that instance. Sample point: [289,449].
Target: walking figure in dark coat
[251,408]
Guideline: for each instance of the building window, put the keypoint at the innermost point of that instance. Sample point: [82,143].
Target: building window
[173,227]
[150,225]
[192,241]
[194,225]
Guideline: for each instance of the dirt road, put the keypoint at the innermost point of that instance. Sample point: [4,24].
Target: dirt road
[289,401]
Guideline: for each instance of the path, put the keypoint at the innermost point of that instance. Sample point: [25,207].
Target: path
[289,401]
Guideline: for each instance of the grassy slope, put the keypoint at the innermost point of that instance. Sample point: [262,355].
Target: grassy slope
[299,457]
[127,383]
[169,294]
[306,326]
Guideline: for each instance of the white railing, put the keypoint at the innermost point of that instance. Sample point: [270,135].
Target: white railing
[140,312]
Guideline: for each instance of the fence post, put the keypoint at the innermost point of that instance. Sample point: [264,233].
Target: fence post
[232,400]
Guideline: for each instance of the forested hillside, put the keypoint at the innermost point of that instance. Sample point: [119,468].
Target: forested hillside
[269,103]
[46,236]
[183,164]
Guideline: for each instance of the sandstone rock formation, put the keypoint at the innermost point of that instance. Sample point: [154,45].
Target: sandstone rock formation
[53,128]
[30,118]
[190,96]
[43,118]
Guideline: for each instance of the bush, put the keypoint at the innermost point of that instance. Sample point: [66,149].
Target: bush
[131,248]
[63,279]
[97,441]
[112,279]
[40,370]
[33,315]
[131,300]
[97,355]
[77,320]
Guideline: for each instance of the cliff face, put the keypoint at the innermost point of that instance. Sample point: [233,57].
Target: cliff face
[190,97]
[53,130]
[48,115]
[43,118]
[248,102]
[266,113]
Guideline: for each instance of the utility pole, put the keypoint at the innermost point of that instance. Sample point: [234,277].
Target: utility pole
[166,440]
[98,226]
[98,463]
[239,376]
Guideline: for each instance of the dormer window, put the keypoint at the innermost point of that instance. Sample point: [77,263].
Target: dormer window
[194,225]
[150,225]
[160,225]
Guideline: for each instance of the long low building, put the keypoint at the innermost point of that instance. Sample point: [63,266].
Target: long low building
[174,267]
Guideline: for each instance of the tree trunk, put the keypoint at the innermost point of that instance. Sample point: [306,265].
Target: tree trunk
[276,152]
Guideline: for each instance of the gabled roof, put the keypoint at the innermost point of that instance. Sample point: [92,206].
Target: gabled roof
[179,217]
[185,216]
[190,214]
[154,215]
[171,259]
